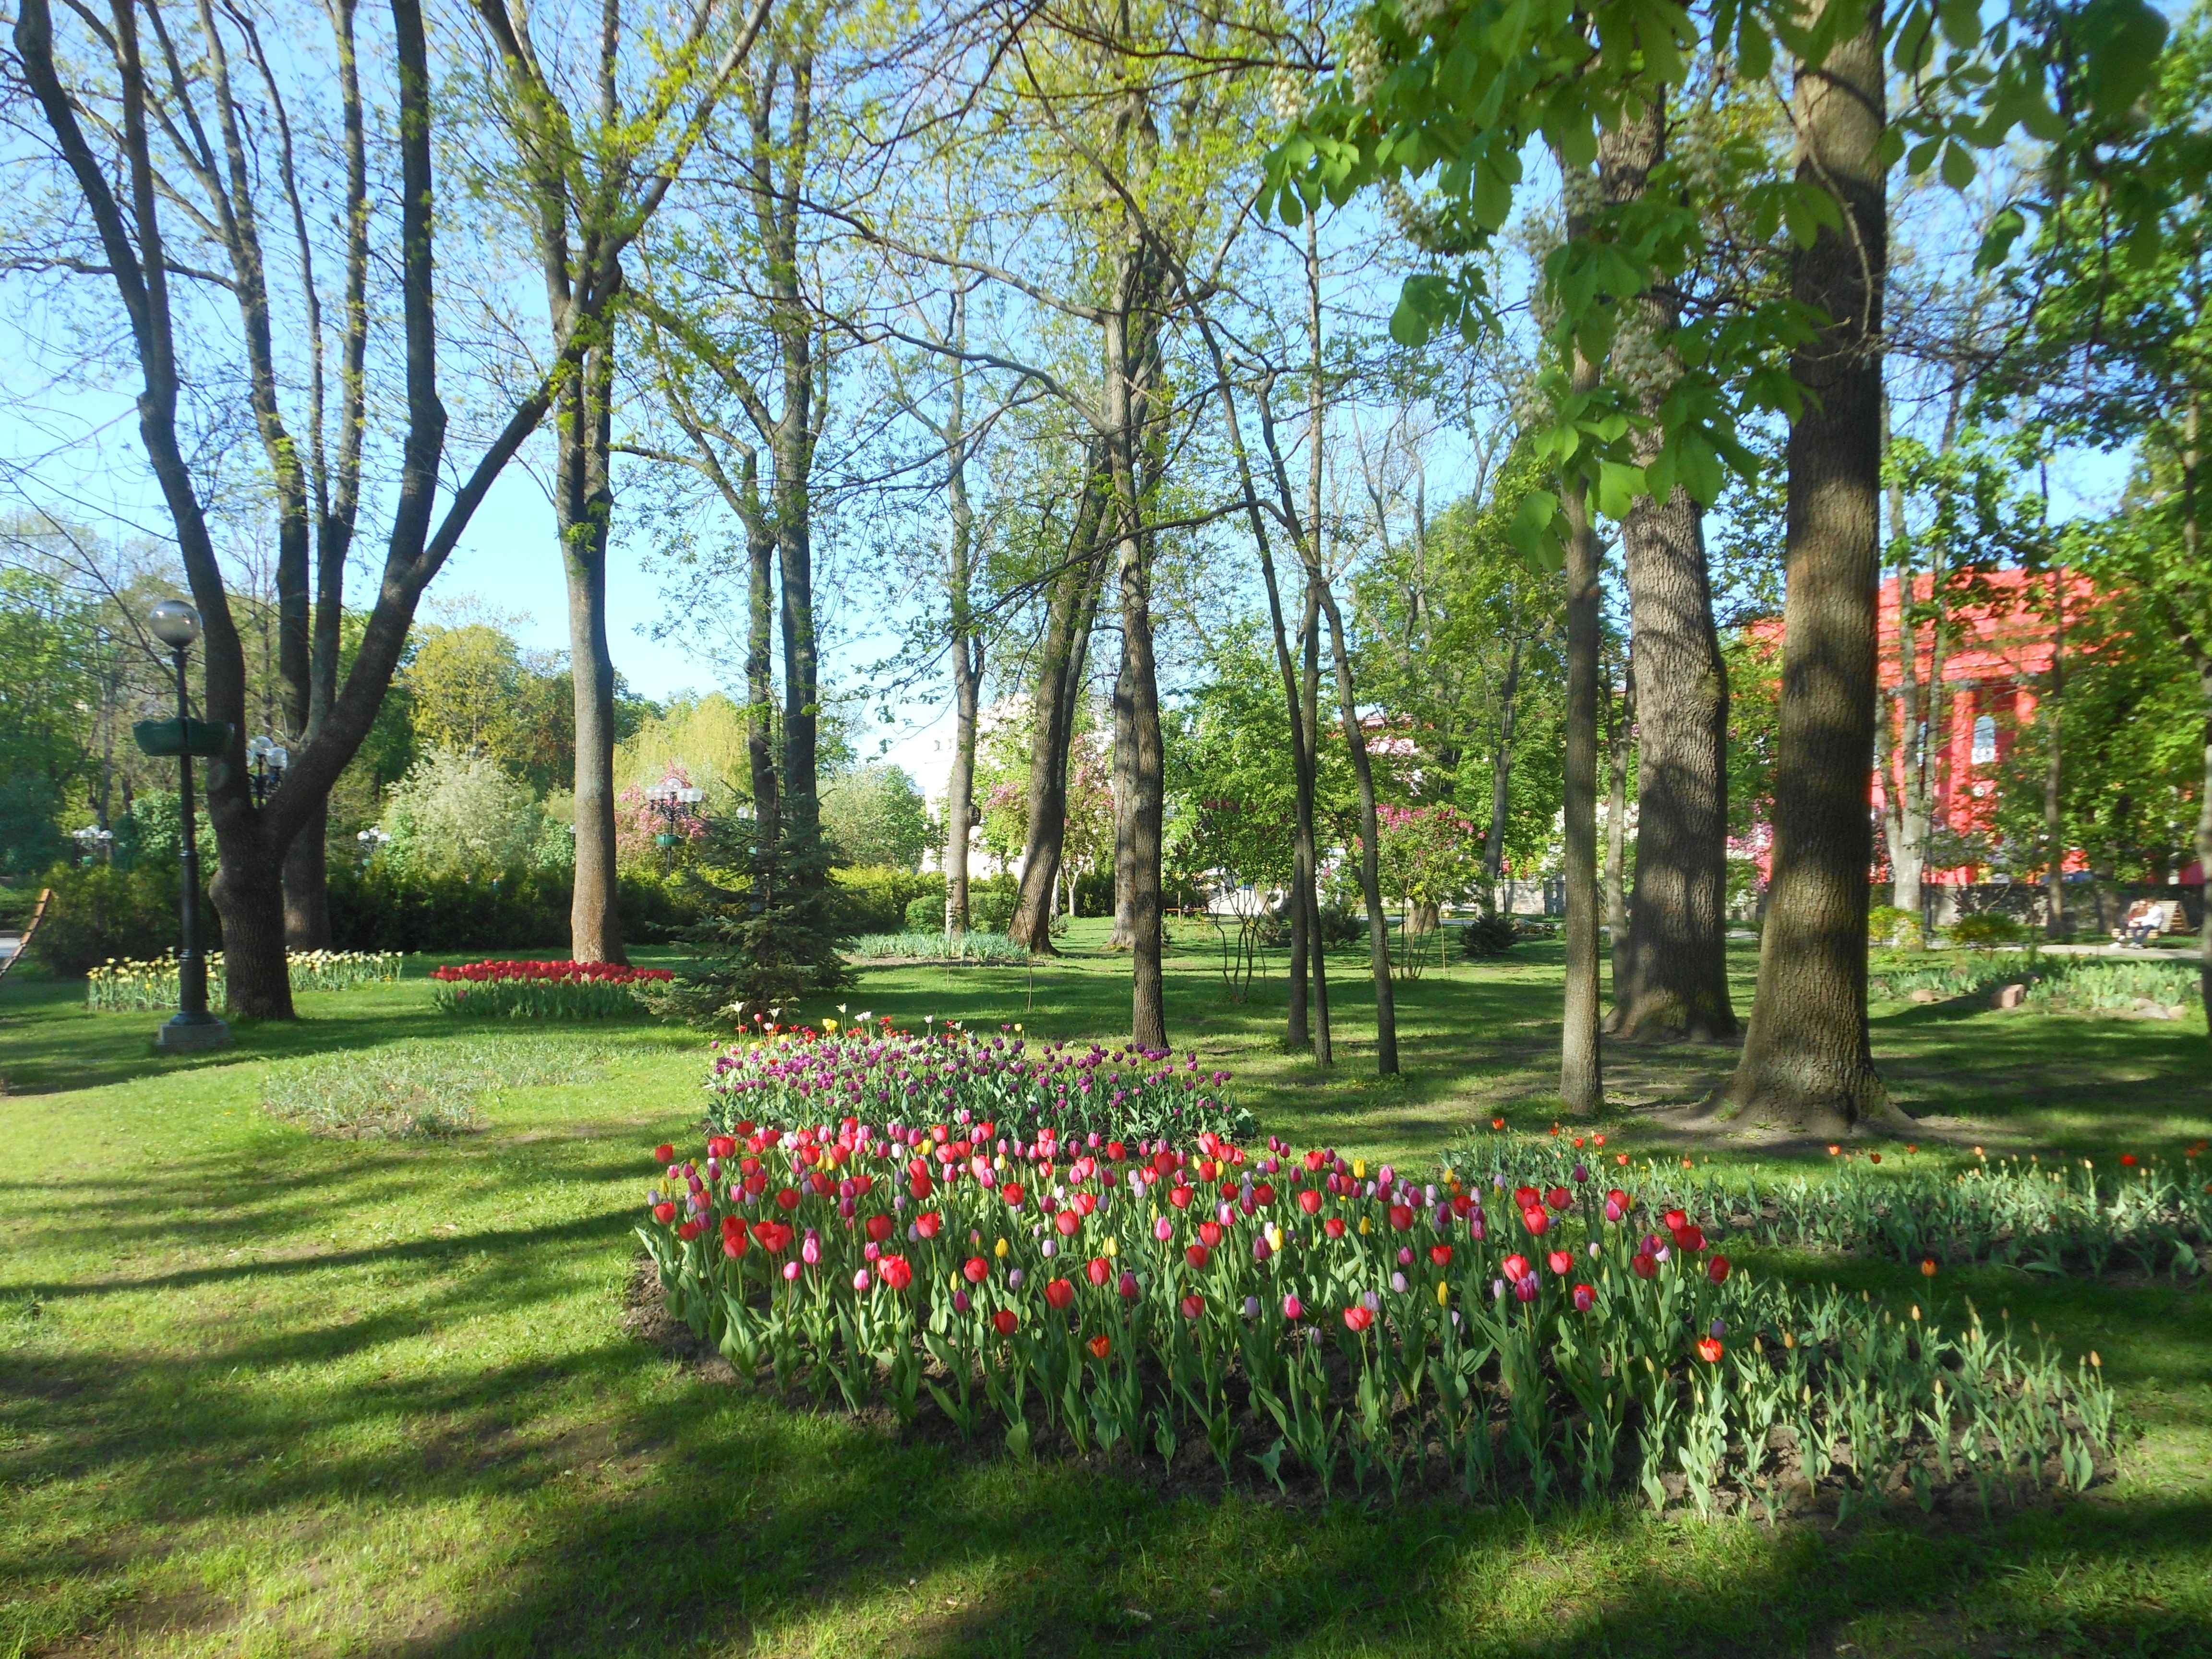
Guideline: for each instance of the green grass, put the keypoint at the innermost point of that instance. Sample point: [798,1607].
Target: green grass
[263,1392]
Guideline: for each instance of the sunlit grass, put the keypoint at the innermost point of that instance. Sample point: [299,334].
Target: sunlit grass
[265,1392]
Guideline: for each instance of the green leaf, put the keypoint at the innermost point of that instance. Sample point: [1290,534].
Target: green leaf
[1962,22]
[1958,166]
[1409,324]
[1921,156]
[1618,484]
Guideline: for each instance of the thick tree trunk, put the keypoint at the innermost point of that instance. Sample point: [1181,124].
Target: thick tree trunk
[585,502]
[1616,831]
[1677,984]
[306,884]
[1148,1025]
[1807,1060]
[1052,716]
[1581,1088]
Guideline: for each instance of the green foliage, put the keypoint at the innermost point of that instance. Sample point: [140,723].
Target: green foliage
[924,914]
[874,815]
[459,812]
[992,901]
[418,1090]
[771,926]
[1490,935]
[927,943]
[1896,929]
[877,899]
[1987,927]
[385,908]
[114,911]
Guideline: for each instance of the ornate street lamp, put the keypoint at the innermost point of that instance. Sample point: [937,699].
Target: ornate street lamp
[96,841]
[372,842]
[177,625]
[265,760]
[670,797]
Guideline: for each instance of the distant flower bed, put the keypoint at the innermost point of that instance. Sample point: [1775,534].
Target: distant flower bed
[1312,1318]
[542,990]
[793,1078]
[2070,984]
[130,986]
[984,948]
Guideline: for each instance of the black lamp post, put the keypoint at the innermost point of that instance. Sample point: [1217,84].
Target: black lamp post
[265,760]
[670,797]
[177,625]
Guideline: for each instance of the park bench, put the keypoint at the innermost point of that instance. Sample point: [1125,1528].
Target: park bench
[14,945]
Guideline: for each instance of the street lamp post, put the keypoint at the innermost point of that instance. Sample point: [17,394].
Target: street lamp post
[96,841]
[177,625]
[265,760]
[372,841]
[670,797]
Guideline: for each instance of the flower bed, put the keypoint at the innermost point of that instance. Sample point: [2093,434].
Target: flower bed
[1307,1317]
[798,1077]
[543,990]
[984,950]
[2148,1213]
[133,985]
[2051,984]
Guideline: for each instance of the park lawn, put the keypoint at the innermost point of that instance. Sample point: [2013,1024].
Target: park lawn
[262,1393]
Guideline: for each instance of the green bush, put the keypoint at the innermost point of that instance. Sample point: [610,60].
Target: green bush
[924,914]
[1488,935]
[877,898]
[386,908]
[1891,928]
[991,902]
[104,910]
[1988,927]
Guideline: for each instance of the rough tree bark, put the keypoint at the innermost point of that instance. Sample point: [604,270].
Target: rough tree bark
[2049,712]
[1053,705]
[1807,1060]
[1616,827]
[967,637]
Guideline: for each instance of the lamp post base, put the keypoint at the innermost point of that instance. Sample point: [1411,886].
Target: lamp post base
[189,1034]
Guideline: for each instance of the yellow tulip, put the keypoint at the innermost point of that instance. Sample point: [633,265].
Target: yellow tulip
[1363,1226]
[1000,1250]
[1444,1293]
[1111,1247]
[1359,1173]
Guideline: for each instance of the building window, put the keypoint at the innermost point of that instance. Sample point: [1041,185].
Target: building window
[1985,741]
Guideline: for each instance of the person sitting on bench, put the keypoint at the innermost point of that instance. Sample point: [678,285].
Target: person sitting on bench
[2144,922]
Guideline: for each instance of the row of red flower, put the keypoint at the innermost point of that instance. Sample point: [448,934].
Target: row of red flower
[570,973]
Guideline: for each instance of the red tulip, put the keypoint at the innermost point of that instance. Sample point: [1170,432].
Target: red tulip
[1358,1317]
[664,1153]
[1067,1221]
[1193,1306]
[895,1272]
[920,1186]
[1401,1216]
[974,1269]
[1100,1345]
[1674,1219]
[664,1213]
[787,1197]
[771,1236]
[1012,1191]
[1562,1262]
[1717,1270]
[1333,1227]
[1209,1233]
[878,1228]
[1585,1298]
[1646,1265]
[1264,1192]
[927,1223]
[1309,1200]
[1708,1349]
[1198,1255]
[1059,1293]
[1004,1320]
[1441,1255]
[1559,1198]
[1099,1269]
[690,1229]
[1515,1267]
[1179,1195]
[1535,1220]
[1690,1240]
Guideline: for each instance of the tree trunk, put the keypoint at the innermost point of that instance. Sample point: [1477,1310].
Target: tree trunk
[1678,919]
[1582,1089]
[1904,784]
[2204,837]
[1501,768]
[1370,875]
[2054,821]
[1808,1058]
[1616,831]
[1052,715]
[760,684]
[584,500]
[306,884]
[1309,696]
[1124,935]
[1148,1027]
